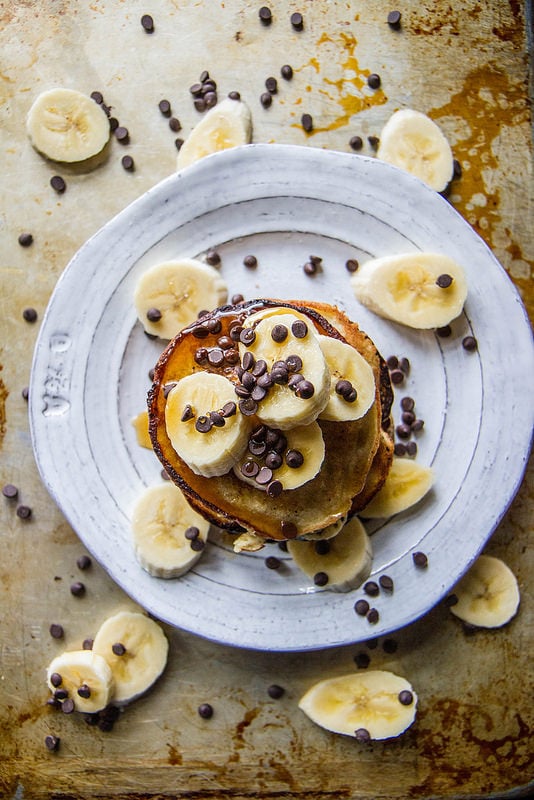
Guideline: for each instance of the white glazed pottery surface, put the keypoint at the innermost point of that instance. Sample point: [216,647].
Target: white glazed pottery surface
[284,203]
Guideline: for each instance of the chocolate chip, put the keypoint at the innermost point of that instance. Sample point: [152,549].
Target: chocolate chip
[248,407]
[58,184]
[84,691]
[386,583]
[203,424]
[469,343]
[178,143]
[122,134]
[299,329]
[192,532]
[153,315]
[271,84]
[373,616]
[456,168]
[411,449]
[356,142]
[198,544]
[52,742]
[250,261]
[320,579]
[274,488]
[418,425]
[408,417]
[264,476]
[362,660]
[148,23]
[444,331]
[77,589]
[297,21]
[165,108]
[374,141]
[279,333]
[257,448]
[83,562]
[322,547]
[420,559]
[275,692]
[451,600]
[236,298]
[307,122]
[25,239]
[394,19]
[218,419]
[371,588]
[282,546]
[362,735]
[213,258]
[87,644]
[343,387]
[229,409]
[407,403]
[24,512]
[405,697]
[351,265]
[286,72]
[271,562]
[294,459]
[215,356]
[294,363]
[118,649]
[265,15]
[128,163]
[56,679]
[373,81]
[403,431]
[205,710]
[397,376]
[234,96]
[250,468]
[10,491]
[30,314]
[389,646]
[113,124]
[399,449]
[305,389]
[289,529]
[61,694]
[247,336]
[266,99]
[404,365]
[175,125]
[67,706]
[444,281]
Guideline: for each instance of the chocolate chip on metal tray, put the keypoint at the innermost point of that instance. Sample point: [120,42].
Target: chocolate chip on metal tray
[265,15]
[122,134]
[444,331]
[83,562]
[371,588]
[128,163]
[373,616]
[444,281]
[213,258]
[356,143]
[297,21]
[275,691]
[307,122]
[469,343]
[386,582]
[374,81]
[165,108]
[98,97]
[271,84]
[351,265]
[24,512]
[361,607]
[87,644]
[374,141]
[420,559]
[153,315]
[58,184]
[320,578]
[271,562]
[147,23]
[29,314]
[394,19]
[286,72]
[205,710]
[178,143]
[234,95]
[77,589]
[266,99]
[10,491]
[250,261]
[25,239]
[56,631]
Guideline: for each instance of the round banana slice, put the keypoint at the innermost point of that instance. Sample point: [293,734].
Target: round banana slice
[136,649]
[140,424]
[207,437]
[412,141]
[297,463]
[420,290]
[376,704]
[168,534]
[85,676]
[346,559]
[352,381]
[226,125]
[66,125]
[406,484]
[169,296]
[488,594]
[278,338]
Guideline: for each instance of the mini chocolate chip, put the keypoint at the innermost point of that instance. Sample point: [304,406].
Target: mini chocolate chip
[271,84]
[322,547]
[279,333]
[87,644]
[274,488]
[77,589]
[294,459]
[247,336]
[389,646]
[371,588]
[217,418]
[392,362]
[205,710]
[248,407]
[286,72]
[407,404]
[420,559]
[294,363]
[456,168]
[84,691]
[56,679]
[451,600]
[61,694]
[373,81]
[30,314]
[248,361]
[310,268]
[153,315]
[275,692]
[444,332]
[408,417]
[68,706]
[213,258]
[58,184]
[113,124]
[200,332]
[282,546]
[405,697]
[373,616]
[248,380]
[362,660]
[297,21]
[148,23]
[271,562]
[83,562]
[25,393]
[10,491]
[178,143]
[203,424]
[374,141]
[128,163]
[264,476]
[266,99]
[343,387]
[118,649]
[404,365]
[236,298]
[362,735]
[229,409]
[411,449]
[259,368]
[165,107]
[305,389]
[351,265]
[299,329]
[52,742]
[187,414]
[400,449]
[265,15]
[122,134]
[418,425]
[56,631]
[257,448]
[444,281]
[192,532]
[320,578]
[215,356]
[469,343]
[307,122]
[198,544]
[397,376]
[289,529]
[386,583]
[25,239]
[250,468]
[394,18]
[24,512]
[356,142]
[98,97]
[175,125]
[403,431]
[234,95]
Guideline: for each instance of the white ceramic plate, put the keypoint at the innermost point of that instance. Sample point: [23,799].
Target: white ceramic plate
[284,203]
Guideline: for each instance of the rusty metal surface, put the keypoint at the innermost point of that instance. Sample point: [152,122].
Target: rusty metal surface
[465,64]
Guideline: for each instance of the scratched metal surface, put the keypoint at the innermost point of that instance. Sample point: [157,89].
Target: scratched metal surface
[463,63]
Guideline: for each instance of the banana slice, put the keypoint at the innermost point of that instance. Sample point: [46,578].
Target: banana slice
[369,705]
[136,649]
[293,465]
[209,439]
[488,594]
[85,676]
[352,381]
[159,523]
[347,561]
[420,290]
[226,125]
[412,141]
[285,407]
[169,296]
[407,482]
[66,125]
[140,424]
